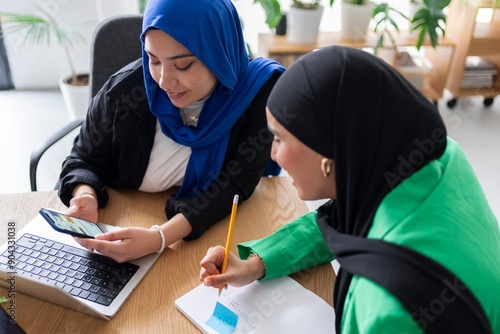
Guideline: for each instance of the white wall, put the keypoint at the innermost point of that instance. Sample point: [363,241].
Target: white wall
[40,66]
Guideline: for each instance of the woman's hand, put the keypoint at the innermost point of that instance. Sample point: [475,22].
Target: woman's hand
[84,207]
[124,244]
[238,272]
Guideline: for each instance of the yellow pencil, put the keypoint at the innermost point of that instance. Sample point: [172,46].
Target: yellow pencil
[229,236]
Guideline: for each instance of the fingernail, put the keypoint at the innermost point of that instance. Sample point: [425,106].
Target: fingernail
[72,208]
[207,282]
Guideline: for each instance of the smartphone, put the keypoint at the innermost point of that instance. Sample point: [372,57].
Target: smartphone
[70,225]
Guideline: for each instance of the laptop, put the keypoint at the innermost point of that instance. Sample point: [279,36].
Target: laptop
[52,266]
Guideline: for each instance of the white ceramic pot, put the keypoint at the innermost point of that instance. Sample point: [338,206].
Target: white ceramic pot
[389,55]
[76,98]
[355,20]
[303,25]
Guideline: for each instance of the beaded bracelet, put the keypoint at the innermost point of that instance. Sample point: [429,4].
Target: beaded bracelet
[162,236]
[257,256]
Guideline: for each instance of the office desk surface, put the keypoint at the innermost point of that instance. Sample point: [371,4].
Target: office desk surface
[150,308]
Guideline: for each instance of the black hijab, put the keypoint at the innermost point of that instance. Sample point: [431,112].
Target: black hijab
[354,108]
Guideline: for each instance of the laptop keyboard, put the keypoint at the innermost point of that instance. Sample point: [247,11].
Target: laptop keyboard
[82,274]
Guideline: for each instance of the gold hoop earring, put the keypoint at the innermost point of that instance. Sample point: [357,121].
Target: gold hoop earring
[326,166]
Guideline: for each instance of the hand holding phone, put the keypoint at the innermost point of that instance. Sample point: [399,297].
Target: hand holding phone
[70,225]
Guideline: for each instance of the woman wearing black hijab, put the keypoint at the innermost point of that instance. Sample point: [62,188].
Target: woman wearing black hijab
[408,221]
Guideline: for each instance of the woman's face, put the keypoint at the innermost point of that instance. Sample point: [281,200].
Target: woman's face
[177,71]
[302,163]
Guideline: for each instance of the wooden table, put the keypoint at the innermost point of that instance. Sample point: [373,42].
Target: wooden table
[150,308]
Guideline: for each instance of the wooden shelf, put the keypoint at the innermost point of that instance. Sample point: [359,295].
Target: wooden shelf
[472,38]
[270,43]
[278,47]
[485,40]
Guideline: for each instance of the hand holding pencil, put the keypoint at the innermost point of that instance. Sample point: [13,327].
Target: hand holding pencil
[220,267]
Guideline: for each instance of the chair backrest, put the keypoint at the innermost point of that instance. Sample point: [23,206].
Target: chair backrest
[115,43]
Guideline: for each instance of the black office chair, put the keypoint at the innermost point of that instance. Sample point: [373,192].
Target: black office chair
[115,43]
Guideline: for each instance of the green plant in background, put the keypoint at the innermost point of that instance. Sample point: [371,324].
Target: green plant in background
[428,20]
[272,9]
[273,12]
[304,4]
[43,28]
[142,5]
[308,4]
[383,14]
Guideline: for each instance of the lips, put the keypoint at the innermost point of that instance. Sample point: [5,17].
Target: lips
[175,96]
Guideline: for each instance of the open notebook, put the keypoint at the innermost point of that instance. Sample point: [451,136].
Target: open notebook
[279,305]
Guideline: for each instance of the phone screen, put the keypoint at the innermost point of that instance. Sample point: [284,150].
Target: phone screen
[70,225]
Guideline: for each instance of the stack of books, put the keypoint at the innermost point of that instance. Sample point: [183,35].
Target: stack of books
[479,73]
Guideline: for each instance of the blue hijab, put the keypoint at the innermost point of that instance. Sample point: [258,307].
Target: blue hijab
[211,31]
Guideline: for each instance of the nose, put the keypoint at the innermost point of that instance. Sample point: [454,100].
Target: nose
[167,79]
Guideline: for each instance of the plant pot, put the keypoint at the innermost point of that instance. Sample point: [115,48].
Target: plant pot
[76,98]
[303,25]
[389,55]
[281,27]
[355,20]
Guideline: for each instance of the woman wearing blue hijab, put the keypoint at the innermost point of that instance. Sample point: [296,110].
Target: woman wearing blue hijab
[200,125]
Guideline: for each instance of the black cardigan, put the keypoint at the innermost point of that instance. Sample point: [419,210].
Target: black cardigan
[115,142]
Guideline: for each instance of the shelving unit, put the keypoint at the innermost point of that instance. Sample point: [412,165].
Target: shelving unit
[472,38]
[278,48]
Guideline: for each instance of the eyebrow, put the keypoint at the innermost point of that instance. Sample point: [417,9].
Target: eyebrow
[186,55]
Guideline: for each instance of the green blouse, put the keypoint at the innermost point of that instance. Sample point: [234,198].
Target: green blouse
[441,212]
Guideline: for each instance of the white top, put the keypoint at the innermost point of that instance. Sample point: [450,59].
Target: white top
[167,164]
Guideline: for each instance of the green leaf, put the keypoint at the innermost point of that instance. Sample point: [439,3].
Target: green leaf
[383,14]
[379,44]
[273,11]
[428,20]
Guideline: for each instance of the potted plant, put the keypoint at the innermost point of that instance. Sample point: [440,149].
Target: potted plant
[303,21]
[43,28]
[303,18]
[355,19]
[429,19]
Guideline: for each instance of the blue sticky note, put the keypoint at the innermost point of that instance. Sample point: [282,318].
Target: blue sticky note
[223,320]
